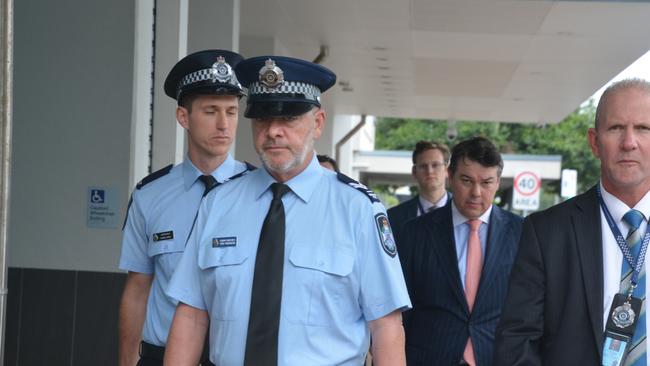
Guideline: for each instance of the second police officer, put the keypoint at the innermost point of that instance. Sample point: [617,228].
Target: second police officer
[293,264]
[163,206]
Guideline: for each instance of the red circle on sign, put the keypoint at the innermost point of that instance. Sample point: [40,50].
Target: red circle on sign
[524,175]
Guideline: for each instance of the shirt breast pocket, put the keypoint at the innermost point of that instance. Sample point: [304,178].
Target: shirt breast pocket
[320,287]
[223,275]
[165,246]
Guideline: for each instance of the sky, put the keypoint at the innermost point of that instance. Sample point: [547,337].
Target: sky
[639,69]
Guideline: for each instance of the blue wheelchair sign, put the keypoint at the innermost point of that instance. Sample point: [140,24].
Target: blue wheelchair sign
[97,196]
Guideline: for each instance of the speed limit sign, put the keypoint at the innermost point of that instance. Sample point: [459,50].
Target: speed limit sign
[525,192]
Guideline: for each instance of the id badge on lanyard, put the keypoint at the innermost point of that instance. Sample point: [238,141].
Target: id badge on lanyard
[625,312]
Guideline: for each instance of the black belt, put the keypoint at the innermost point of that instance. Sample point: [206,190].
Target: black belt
[148,350]
[151,351]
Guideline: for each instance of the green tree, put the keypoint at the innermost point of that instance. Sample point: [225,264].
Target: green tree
[566,138]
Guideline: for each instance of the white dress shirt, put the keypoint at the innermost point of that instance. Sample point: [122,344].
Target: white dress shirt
[612,255]
[461,235]
[426,205]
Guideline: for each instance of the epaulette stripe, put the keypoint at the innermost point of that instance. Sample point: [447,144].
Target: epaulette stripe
[250,166]
[358,186]
[153,176]
[128,207]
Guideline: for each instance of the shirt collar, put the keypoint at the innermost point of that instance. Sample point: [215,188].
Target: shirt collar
[426,204]
[303,185]
[618,208]
[221,174]
[459,219]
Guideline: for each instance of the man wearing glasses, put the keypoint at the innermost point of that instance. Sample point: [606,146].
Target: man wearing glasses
[430,161]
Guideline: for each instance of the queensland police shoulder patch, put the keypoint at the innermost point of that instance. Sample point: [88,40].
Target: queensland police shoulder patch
[385,234]
[358,186]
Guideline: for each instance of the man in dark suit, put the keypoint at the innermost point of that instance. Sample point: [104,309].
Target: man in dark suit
[569,265]
[430,161]
[456,263]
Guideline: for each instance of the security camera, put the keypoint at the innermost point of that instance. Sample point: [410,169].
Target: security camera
[452,132]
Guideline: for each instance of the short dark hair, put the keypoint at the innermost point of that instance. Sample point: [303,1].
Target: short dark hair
[422,146]
[187,99]
[478,149]
[326,159]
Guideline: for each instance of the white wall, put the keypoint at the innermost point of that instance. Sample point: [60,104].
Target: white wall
[72,124]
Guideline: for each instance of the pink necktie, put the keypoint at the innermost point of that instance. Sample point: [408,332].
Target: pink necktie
[472,278]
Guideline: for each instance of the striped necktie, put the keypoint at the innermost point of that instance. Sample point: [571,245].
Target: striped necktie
[637,353]
[472,278]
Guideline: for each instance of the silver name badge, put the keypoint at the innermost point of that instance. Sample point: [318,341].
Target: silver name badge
[228,241]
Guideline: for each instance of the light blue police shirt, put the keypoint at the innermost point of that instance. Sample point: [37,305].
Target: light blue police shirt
[158,224]
[339,272]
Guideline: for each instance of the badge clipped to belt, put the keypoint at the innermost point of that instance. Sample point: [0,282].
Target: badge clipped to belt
[625,312]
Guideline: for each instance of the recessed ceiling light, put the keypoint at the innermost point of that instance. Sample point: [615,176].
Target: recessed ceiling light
[383,67]
[381,58]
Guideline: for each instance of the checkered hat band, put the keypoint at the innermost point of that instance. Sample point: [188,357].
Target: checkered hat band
[203,75]
[288,87]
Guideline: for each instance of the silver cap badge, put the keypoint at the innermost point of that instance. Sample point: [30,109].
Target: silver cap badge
[270,75]
[221,71]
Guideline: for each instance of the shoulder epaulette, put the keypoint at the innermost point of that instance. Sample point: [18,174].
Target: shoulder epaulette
[358,186]
[153,176]
[250,166]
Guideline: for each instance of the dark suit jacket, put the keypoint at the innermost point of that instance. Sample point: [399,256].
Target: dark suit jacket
[438,326]
[553,313]
[401,214]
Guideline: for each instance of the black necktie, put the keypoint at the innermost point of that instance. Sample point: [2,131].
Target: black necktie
[266,297]
[209,182]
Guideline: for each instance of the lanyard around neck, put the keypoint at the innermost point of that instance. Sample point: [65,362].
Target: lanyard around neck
[635,264]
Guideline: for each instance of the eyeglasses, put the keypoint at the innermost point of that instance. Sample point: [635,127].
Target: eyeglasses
[434,165]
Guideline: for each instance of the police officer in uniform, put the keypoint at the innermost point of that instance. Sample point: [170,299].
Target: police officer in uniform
[164,205]
[293,264]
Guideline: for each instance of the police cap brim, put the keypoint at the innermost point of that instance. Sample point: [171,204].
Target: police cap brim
[277,109]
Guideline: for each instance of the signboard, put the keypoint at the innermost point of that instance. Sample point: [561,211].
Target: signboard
[102,208]
[569,183]
[525,193]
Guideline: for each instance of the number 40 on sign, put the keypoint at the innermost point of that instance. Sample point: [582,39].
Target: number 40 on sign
[525,192]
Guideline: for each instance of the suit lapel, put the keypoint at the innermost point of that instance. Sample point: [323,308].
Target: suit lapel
[586,225]
[495,245]
[413,208]
[441,232]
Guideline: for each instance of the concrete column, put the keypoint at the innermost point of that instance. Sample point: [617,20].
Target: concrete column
[171,45]
[213,24]
[325,145]
[183,27]
[142,86]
